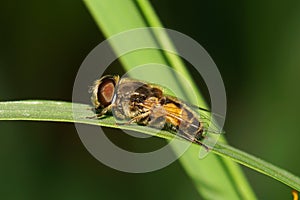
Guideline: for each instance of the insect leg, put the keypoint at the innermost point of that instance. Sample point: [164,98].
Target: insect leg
[103,112]
[136,118]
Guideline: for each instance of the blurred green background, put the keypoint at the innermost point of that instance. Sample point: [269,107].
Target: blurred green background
[255,44]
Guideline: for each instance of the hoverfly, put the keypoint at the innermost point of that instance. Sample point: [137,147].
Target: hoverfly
[146,104]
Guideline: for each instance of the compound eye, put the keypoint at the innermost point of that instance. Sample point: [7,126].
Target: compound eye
[106,92]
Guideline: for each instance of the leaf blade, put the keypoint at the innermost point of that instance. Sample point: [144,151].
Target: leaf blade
[58,111]
[125,19]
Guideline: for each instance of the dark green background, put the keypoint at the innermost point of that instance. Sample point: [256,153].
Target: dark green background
[255,44]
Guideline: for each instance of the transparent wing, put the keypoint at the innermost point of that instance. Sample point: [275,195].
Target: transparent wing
[212,132]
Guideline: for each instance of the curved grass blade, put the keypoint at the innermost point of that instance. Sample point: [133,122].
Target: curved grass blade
[57,111]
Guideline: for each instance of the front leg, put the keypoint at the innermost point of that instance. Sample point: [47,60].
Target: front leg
[103,112]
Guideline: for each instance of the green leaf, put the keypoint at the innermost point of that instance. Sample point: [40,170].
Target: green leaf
[213,176]
[57,111]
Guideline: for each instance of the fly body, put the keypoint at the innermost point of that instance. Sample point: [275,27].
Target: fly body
[146,104]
